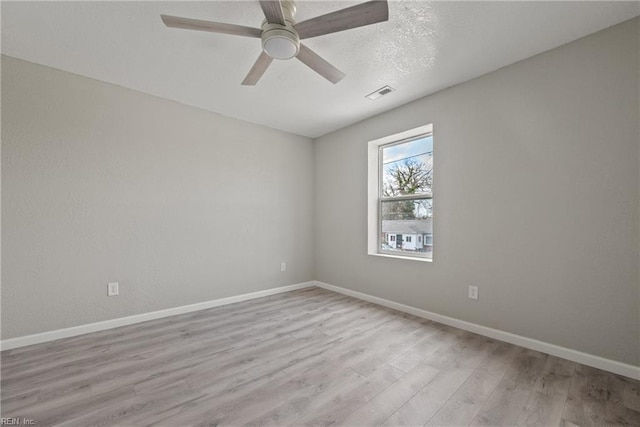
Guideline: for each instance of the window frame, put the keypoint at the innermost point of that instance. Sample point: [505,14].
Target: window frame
[375,196]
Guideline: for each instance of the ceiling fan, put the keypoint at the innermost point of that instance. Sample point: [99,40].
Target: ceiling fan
[281,34]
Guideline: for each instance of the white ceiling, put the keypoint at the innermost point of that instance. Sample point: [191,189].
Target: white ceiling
[424,47]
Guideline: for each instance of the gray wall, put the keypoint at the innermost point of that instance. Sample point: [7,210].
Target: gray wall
[536,199]
[178,205]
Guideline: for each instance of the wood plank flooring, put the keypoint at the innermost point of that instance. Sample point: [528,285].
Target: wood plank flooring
[305,358]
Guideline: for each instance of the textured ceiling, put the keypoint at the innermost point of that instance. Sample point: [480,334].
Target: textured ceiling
[424,47]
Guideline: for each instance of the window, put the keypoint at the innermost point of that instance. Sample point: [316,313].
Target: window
[393,238]
[401,194]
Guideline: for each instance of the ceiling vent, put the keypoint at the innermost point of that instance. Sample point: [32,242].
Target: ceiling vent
[380,92]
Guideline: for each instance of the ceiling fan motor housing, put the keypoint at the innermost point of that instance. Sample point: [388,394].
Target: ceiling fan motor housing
[282,41]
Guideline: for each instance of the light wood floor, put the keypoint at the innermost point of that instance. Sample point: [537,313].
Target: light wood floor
[309,357]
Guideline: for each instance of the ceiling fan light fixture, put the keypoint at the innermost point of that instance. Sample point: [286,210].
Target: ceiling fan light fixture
[280,43]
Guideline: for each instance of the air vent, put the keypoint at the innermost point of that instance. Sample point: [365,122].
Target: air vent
[380,92]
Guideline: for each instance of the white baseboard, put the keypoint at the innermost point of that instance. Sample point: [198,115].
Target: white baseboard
[533,344]
[530,343]
[138,318]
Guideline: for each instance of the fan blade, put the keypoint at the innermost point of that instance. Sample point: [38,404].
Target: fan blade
[257,70]
[319,65]
[273,11]
[345,19]
[212,27]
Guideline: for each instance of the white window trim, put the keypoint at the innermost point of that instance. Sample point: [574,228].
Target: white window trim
[373,190]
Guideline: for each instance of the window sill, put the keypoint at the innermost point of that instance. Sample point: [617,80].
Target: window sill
[410,258]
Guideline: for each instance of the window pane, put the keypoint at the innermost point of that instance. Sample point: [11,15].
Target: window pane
[403,222]
[407,168]
[408,210]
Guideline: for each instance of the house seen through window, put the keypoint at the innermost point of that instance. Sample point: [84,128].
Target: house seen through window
[405,196]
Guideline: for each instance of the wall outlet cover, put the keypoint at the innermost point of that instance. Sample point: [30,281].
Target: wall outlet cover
[113,289]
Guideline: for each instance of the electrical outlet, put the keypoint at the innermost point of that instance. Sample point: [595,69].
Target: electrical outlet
[473,292]
[283,266]
[112,289]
